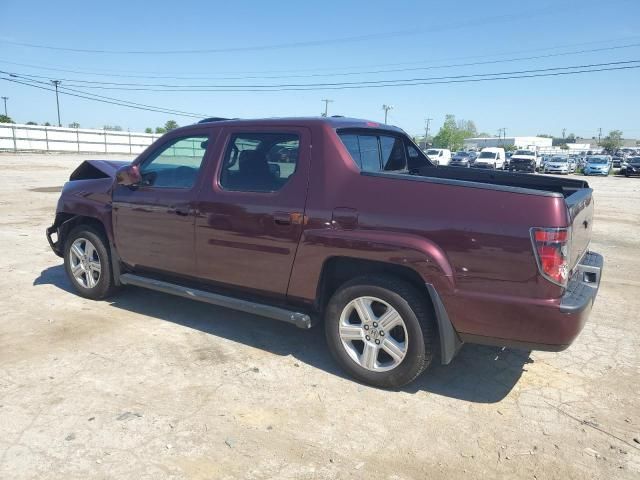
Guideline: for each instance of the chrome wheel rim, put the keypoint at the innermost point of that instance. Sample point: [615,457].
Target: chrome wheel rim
[85,263]
[373,334]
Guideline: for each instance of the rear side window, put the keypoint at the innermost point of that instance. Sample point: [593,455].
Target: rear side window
[259,162]
[376,153]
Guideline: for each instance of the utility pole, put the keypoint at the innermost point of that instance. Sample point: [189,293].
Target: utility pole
[5,106]
[56,83]
[599,135]
[426,131]
[386,109]
[326,106]
[564,130]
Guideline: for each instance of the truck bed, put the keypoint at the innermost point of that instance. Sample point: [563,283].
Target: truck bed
[565,186]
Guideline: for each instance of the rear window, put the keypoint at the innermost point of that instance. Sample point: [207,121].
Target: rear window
[376,152]
[487,155]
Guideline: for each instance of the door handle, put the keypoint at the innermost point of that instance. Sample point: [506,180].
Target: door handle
[282,218]
[181,211]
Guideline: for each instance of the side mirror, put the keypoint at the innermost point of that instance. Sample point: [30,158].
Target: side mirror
[128,175]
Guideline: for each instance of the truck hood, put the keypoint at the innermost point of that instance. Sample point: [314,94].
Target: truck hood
[93,169]
[523,157]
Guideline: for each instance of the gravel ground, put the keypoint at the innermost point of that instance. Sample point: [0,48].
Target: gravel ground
[150,386]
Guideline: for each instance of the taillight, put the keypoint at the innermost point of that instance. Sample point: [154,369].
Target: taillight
[551,247]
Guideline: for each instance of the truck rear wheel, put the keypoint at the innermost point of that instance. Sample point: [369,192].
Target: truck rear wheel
[87,262]
[381,330]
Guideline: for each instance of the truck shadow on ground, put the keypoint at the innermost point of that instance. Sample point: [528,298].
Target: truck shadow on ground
[478,374]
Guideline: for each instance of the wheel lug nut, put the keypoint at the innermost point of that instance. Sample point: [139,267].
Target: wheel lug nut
[368,337]
[377,342]
[375,324]
[381,333]
[366,327]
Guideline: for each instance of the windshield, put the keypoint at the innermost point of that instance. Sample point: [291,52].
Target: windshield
[487,155]
[634,161]
[462,154]
[524,152]
[597,160]
[433,152]
[559,159]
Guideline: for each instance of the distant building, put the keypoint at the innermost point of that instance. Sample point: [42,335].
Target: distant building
[517,142]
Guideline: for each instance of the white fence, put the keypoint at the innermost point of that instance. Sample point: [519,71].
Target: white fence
[35,138]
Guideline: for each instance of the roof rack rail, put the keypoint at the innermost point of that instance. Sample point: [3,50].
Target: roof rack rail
[212,119]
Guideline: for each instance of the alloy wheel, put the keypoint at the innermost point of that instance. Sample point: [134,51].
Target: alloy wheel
[373,334]
[85,263]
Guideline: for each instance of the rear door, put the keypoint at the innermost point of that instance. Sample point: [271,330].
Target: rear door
[251,211]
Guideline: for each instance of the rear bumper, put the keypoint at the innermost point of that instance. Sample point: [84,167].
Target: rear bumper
[550,326]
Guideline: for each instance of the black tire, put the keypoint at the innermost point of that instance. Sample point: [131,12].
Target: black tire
[416,312]
[104,286]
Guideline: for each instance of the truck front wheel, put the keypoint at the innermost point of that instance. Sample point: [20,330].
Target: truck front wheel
[381,330]
[86,261]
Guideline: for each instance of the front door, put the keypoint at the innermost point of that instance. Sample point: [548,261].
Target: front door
[250,217]
[154,221]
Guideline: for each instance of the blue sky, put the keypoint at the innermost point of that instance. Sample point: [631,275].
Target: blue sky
[331,41]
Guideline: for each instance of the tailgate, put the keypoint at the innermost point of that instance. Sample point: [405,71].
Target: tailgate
[580,205]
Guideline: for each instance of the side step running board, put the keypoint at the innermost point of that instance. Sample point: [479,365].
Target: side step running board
[298,319]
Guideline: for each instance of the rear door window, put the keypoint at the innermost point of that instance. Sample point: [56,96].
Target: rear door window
[259,162]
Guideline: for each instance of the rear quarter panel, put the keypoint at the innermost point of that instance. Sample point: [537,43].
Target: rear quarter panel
[468,242]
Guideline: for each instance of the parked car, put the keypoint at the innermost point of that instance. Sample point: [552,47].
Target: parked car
[597,165]
[632,168]
[439,156]
[400,259]
[461,159]
[490,157]
[559,164]
[616,161]
[525,161]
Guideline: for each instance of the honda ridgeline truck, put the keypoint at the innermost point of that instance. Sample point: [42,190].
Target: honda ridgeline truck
[340,221]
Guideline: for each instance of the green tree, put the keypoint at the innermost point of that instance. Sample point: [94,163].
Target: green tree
[6,119]
[452,134]
[74,125]
[31,123]
[170,125]
[148,130]
[160,130]
[613,141]
[446,136]
[46,124]
[113,128]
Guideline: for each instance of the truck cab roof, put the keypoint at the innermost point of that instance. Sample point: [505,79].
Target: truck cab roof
[336,122]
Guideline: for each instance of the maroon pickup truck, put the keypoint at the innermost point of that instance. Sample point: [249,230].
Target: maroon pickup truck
[343,221]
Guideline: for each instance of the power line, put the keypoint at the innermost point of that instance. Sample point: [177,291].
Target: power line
[310,43]
[342,85]
[122,103]
[331,74]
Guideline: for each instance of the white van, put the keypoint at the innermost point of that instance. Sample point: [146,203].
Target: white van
[490,157]
[439,156]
